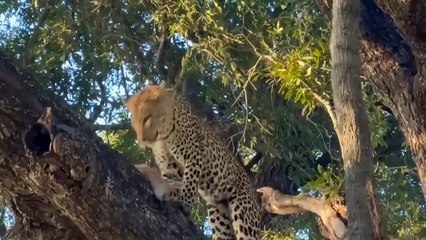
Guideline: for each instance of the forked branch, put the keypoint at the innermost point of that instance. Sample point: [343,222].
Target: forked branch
[332,217]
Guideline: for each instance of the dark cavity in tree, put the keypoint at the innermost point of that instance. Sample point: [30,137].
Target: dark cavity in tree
[37,139]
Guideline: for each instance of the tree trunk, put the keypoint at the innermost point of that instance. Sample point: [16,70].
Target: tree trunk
[393,54]
[63,182]
[352,123]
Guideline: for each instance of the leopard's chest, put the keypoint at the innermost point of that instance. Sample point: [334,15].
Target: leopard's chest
[216,184]
[212,195]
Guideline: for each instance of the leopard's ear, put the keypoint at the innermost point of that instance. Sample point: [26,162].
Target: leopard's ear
[151,93]
[132,102]
[163,85]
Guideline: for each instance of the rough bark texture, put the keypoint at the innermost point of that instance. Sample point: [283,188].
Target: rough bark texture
[393,50]
[63,181]
[352,123]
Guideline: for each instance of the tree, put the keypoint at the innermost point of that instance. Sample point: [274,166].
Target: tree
[260,70]
[352,123]
[393,59]
[63,180]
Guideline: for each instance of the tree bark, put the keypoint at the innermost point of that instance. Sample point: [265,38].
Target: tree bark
[352,123]
[63,182]
[332,217]
[393,51]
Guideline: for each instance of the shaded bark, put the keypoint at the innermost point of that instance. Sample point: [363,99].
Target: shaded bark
[63,181]
[393,51]
[352,123]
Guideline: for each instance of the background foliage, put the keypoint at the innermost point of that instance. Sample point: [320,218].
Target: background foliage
[263,64]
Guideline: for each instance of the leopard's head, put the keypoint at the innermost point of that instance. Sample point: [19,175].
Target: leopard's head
[152,114]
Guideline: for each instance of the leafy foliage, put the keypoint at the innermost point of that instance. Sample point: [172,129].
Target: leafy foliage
[403,208]
[125,143]
[263,64]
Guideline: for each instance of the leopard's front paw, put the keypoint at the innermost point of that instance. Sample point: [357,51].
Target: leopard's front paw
[159,186]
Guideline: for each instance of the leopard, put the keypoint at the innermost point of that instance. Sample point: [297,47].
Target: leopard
[171,170]
[193,157]
[164,189]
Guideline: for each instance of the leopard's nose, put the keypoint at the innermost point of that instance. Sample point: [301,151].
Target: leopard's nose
[141,144]
[141,139]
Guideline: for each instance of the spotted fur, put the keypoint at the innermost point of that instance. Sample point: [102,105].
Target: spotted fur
[181,143]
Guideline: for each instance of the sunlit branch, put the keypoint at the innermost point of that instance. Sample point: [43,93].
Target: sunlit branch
[328,108]
[333,217]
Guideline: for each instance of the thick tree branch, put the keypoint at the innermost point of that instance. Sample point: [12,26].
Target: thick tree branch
[72,174]
[355,143]
[333,217]
[393,52]
[46,221]
[409,16]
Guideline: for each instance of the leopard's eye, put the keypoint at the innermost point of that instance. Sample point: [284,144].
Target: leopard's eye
[147,121]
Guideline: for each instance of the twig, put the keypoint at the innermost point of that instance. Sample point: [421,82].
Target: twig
[161,53]
[26,60]
[327,107]
[257,157]
[97,110]
[111,127]
[124,83]
[143,68]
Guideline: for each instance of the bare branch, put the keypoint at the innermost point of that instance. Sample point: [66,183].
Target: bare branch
[97,110]
[177,75]
[161,53]
[111,127]
[333,217]
[124,83]
[328,107]
[257,157]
